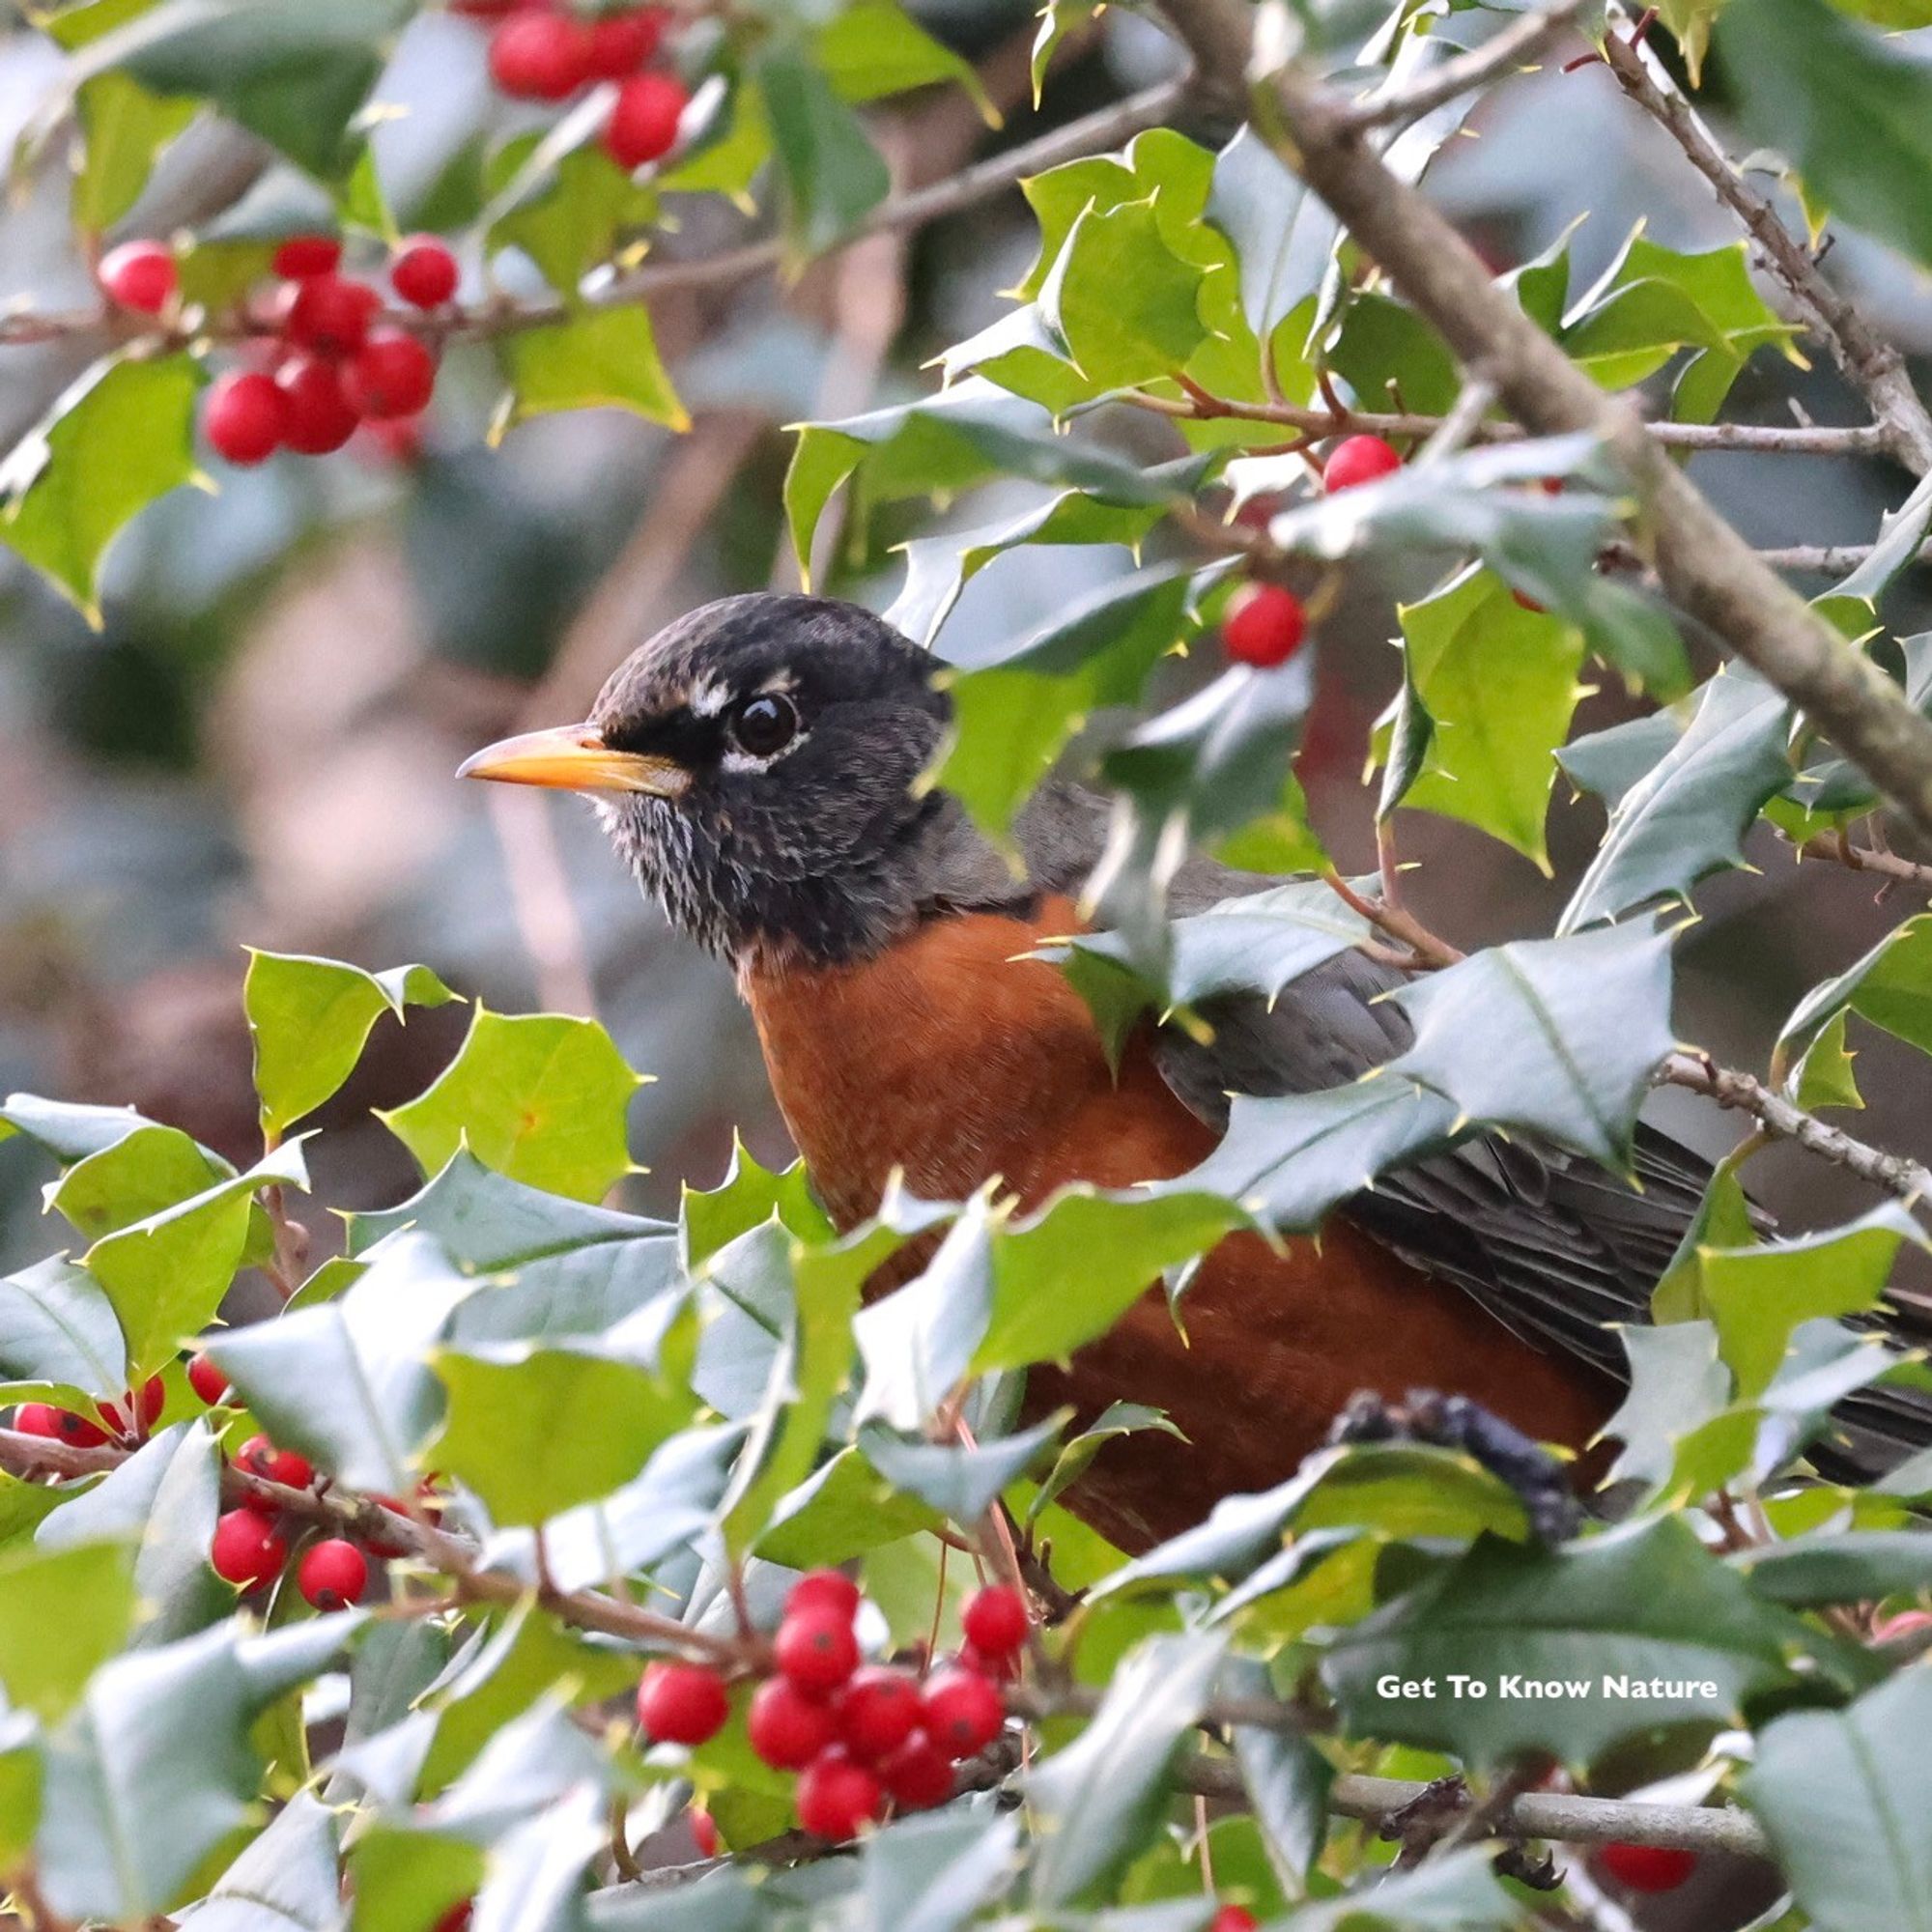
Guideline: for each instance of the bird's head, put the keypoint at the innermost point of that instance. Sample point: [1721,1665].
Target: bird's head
[761,764]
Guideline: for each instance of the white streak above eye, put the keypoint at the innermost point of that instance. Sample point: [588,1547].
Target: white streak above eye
[707,697]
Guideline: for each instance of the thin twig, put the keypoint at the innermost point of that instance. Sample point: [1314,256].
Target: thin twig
[1867,859]
[1093,134]
[1872,364]
[1516,47]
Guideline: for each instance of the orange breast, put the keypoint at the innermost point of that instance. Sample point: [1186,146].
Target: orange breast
[955,1059]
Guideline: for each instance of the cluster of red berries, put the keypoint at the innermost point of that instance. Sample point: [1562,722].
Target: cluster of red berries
[861,1735]
[252,1549]
[127,1421]
[540,50]
[1265,623]
[335,364]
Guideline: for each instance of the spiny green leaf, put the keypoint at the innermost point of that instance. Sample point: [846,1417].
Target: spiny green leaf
[120,438]
[598,358]
[541,1098]
[1842,1795]
[308,1019]
[63,1613]
[1555,1036]
[831,175]
[57,1326]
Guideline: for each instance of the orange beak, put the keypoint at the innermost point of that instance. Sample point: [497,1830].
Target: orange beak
[574,758]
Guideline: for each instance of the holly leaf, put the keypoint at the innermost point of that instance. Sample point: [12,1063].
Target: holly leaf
[541,1098]
[1497,683]
[597,358]
[118,439]
[1558,1037]
[1281,236]
[1839,1794]
[1121,302]
[63,1613]
[1014,712]
[349,1383]
[1097,1800]
[1855,117]
[58,1327]
[1640,1602]
[831,173]
[308,1020]
[1890,986]
[1687,816]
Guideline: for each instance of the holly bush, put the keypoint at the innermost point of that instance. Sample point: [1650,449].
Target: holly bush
[537,1564]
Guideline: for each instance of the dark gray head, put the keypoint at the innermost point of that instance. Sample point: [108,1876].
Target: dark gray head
[762,764]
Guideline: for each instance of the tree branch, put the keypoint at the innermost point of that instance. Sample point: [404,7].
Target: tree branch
[1870,363]
[1896,1173]
[1516,47]
[1838,851]
[1093,134]
[1704,564]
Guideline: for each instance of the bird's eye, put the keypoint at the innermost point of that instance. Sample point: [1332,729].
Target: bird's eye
[764,726]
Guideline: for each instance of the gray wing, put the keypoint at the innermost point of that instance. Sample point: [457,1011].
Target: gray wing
[1557,1248]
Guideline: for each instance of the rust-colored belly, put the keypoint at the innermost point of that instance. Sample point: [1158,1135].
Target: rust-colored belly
[955,1060]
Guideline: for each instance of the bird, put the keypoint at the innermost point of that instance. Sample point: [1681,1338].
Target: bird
[764,765]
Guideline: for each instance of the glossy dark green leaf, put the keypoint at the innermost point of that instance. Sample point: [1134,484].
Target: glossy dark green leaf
[1687,816]
[1116,1420]
[1842,1795]
[1645,1602]
[1096,1799]
[1556,1036]
[287,1879]
[1853,116]
[831,175]
[162,1501]
[1014,714]
[1122,303]
[843,1510]
[120,438]
[959,1482]
[349,1383]
[57,1326]
[1288,1160]
[1288,1781]
[1847,1566]
[933,1874]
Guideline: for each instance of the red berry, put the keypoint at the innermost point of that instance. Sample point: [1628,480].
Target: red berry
[207,1380]
[247,1550]
[38,1418]
[995,1620]
[331,314]
[1647,1867]
[376,1546]
[1357,459]
[245,416]
[1264,627]
[831,1591]
[259,1457]
[392,375]
[77,1432]
[333,1573]
[145,1410]
[916,1776]
[704,1828]
[1002,1669]
[788,1728]
[836,1796]
[457,1918]
[303,256]
[540,56]
[1232,1918]
[817,1650]
[140,275]
[643,124]
[963,1713]
[878,1711]
[319,418]
[424,272]
[620,44]
[681,1703]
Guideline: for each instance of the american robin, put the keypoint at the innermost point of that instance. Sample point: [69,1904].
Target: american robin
[761,764]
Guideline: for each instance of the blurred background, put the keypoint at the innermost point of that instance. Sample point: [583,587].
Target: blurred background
[258,747]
